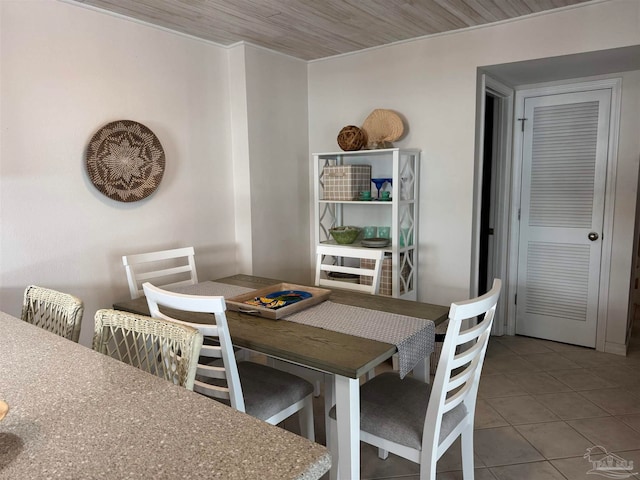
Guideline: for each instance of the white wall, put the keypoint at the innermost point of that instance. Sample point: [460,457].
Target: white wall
[278,149]
[268,93]
[432,82]
[240,152]
[65,72]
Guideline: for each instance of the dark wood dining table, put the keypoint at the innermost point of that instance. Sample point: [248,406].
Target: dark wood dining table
[343,358]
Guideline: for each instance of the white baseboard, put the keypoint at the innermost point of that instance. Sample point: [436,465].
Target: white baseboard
[616,348]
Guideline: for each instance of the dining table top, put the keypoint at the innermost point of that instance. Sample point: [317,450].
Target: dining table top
[325,350]
[78,414]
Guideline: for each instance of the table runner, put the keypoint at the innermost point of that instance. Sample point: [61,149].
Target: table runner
[414,337]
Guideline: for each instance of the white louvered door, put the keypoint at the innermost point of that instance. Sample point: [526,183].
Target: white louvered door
[561,218]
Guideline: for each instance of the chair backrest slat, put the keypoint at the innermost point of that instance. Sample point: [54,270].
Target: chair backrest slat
[214,391]
[212,372]
[211,351]
[165,268]
[468,355]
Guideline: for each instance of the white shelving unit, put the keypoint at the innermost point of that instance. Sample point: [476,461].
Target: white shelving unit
[400,213]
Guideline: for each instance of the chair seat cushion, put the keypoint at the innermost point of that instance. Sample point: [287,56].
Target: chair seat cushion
[267,391]
[395,409]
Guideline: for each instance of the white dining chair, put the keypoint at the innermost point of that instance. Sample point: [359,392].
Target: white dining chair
[166,268]
[259,390]
[56,312]
[166,349]
[336,264]
[419,422]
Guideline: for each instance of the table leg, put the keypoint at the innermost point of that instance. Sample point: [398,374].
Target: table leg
[422,369]
[329,402]
[347,393]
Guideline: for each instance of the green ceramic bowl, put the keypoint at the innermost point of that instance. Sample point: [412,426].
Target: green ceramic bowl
[345,235]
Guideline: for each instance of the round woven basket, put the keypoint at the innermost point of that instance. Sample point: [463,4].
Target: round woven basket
[351,138]
[125,161]
[382,127]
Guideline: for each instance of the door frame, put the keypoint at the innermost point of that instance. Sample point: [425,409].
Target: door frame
[501,174]
[576,85]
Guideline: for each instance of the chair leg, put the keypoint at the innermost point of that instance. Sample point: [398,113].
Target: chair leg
[428,462]
[305,416]
[317,388]
[466,440]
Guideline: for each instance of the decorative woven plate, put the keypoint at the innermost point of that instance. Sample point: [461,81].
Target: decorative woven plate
[383,126]
[125,161]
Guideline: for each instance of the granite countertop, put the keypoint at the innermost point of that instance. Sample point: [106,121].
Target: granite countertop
[78,414]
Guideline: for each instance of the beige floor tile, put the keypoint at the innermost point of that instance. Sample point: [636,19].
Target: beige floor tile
[503,446]
[634,389]
[591,358]
[524,345]
[575,468]
[555,346]
[496,349]
[621,376]
[487,417]
[527,471]
[451,460]
[581,379]
[522,409]
[498,386]
[479,474]
[632,420]
[616,401]
[570,405]
[535,383]
[489,370]
[554,439]
[550,361]
[511,364]
[580,468]
[632,360]
[393,467]
[563,347]
[608,432]
[631,456]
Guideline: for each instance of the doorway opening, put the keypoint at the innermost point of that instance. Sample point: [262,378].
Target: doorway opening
[492,191]
[485,266]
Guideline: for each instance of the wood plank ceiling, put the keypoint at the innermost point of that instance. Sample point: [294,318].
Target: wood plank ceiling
[312,29]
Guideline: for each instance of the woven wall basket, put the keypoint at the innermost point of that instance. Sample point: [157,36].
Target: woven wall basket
[125,161]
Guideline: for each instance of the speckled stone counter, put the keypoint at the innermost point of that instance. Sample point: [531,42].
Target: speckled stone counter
[77,414]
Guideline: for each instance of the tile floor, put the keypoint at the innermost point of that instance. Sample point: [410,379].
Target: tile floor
[540,405]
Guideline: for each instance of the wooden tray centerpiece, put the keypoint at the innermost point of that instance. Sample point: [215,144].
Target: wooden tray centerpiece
[277,301]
